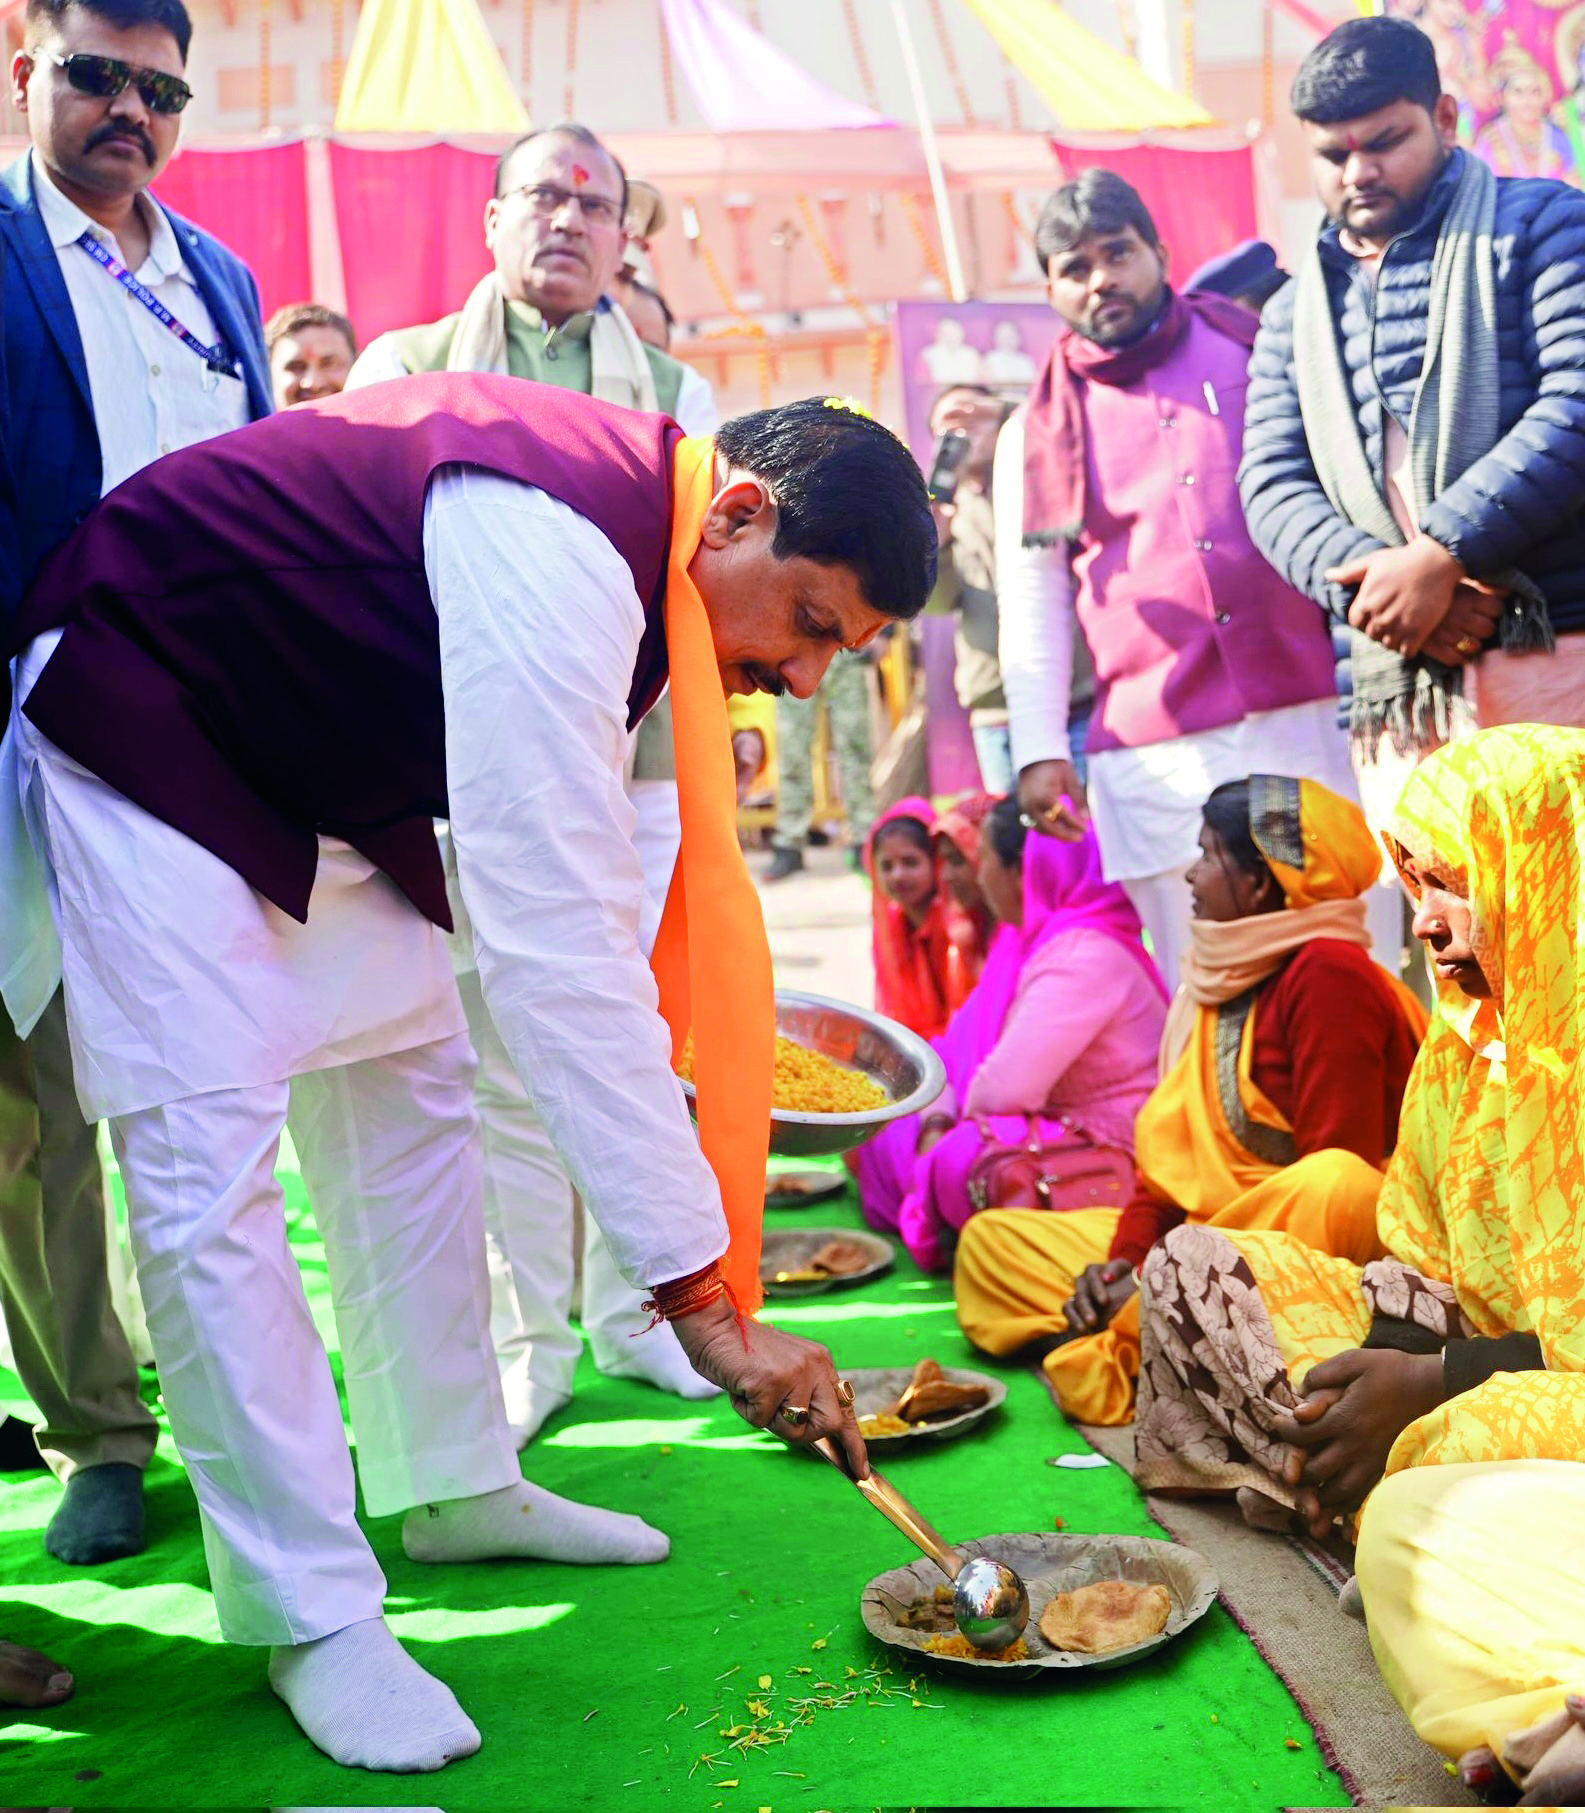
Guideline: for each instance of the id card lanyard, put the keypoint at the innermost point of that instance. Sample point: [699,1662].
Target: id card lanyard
[218,363]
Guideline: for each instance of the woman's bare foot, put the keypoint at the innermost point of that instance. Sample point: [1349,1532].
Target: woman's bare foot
[1556,1777]
[1485,1777]
[1262,1512]
[28,1678]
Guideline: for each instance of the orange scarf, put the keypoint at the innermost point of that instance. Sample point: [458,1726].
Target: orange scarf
[711,960]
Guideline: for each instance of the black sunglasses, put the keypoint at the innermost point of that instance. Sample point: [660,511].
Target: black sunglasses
[107,76]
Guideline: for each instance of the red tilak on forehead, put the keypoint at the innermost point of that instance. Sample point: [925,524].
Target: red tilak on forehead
[1352,141]
[579,175]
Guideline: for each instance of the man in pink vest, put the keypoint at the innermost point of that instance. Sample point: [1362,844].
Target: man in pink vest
[1115,497]
[245,688]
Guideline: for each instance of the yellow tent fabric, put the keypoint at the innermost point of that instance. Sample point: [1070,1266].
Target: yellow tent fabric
[1089,86]
[426,66]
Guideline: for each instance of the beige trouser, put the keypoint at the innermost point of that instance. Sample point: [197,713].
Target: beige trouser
[69,1348]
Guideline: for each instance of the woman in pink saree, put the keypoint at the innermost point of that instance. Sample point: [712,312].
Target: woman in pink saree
[1064,1024]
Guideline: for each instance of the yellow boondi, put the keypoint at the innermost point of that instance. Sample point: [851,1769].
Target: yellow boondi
[883,1423]
[808,1082]
[959,1645]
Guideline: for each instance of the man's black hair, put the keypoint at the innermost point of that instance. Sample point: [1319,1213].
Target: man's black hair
[1227,813]
[848,493]
[169,15]
[563,129]
[1363,66]
[1005,827]
[1098,201]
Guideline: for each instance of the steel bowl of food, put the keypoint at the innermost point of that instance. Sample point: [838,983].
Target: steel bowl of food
[894,1069]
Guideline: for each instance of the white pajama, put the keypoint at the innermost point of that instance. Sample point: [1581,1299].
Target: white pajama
[390,1156]
[528,1198]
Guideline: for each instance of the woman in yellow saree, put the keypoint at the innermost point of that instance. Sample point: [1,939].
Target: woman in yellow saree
[1284,1062]
[1455,1367]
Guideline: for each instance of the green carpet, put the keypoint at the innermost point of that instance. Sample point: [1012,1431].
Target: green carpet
[603,1688]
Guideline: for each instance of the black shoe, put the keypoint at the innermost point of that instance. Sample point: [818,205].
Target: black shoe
[785,861]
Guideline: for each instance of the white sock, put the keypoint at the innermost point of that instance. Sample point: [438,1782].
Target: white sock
[529,1405]
[525,1520]
[366,1703]
[655,1356]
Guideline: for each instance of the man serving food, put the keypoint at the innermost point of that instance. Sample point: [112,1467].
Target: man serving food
[232,739]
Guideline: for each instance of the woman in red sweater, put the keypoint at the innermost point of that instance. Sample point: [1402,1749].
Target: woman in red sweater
[1283,1066]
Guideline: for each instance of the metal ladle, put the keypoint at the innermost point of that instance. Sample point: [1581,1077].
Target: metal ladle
[990,1604]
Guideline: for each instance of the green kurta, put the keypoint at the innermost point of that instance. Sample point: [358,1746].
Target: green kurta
[558,355]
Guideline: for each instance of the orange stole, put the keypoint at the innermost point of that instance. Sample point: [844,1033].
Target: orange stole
[711,960]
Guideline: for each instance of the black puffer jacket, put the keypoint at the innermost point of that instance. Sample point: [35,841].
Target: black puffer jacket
[1519,506]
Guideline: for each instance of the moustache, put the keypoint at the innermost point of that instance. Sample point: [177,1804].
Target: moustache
[134,134]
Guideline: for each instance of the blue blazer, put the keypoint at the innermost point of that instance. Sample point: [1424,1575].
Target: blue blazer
[49,429]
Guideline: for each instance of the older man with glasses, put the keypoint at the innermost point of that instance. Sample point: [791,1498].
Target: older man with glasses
[558,226]
[555,230]
[127,333]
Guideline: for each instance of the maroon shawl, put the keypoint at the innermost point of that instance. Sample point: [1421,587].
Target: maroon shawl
[1054,451]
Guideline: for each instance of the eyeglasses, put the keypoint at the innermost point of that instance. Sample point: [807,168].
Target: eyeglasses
[108,76]
[547,199]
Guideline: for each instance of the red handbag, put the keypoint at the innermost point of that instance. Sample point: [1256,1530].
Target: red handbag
[1071,1171]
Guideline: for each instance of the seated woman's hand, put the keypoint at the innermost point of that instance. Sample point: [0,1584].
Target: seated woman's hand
[766,1370]
[932,1131]
[1099,1292]
[1355,1407]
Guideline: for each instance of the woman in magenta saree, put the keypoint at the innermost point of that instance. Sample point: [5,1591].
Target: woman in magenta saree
[1064,1023]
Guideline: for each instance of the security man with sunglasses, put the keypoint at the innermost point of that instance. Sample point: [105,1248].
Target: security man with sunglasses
[128,333]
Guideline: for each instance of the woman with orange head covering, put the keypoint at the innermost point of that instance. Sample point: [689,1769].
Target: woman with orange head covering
[1283,1065]
[910,921]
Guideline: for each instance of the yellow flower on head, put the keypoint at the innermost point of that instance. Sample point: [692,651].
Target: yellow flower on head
[852,405]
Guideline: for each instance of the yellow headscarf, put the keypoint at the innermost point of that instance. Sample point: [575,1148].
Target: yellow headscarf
[1315,842]
[1320,849]
[1487,1188]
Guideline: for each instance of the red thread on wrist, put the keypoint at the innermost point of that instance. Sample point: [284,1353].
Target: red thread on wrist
[686,1296]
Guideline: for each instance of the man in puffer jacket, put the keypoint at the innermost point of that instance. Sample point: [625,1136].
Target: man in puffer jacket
[1414,444]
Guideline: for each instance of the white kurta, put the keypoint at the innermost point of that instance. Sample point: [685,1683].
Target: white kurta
[182,980]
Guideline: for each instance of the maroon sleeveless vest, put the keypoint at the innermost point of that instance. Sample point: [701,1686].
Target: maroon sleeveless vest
[249,649]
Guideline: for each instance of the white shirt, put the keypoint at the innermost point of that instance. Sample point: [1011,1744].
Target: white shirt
[1145,802]
[539,632]
[151,394]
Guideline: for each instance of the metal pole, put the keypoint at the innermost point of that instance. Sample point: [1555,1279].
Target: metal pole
[927,139]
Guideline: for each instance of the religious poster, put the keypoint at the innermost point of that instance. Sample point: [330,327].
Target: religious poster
[999,345]
[1517,69]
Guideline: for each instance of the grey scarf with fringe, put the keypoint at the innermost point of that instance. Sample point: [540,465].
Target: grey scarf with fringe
[1455,421]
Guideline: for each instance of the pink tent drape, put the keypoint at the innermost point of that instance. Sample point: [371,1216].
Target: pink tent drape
[1202,203]
[403,219]
[252,198]
[412,232]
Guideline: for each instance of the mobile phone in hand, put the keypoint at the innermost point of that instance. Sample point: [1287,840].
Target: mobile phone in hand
[951,451]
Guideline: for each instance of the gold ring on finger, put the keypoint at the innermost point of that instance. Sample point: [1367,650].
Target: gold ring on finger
[844,1394]
[1466,645]
[794,1415]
